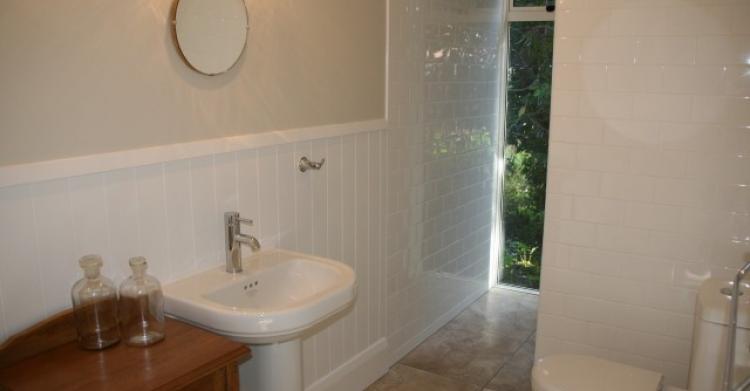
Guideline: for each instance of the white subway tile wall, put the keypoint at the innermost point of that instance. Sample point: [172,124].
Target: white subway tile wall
[443,104]
[649,176]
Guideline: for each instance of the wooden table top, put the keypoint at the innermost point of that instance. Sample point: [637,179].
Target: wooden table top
[186,354]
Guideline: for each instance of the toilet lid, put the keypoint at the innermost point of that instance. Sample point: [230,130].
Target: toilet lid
[569,372]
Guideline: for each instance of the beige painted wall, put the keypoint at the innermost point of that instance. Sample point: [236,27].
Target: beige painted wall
[83,76]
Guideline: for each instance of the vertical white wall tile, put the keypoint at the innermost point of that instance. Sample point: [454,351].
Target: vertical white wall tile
[375,261]
[268,220]
[334,197]
[179,214]
[152,220]
[204,211]
[90,218]
[55,242]
[334,177]
[122,205]
[22,292]
[323,352]
[319,193]
[348,228]
[287,202]
[226,172]
[247,183]
[308,360]
[303,198]
[227,195]
[3,324]
[362,239]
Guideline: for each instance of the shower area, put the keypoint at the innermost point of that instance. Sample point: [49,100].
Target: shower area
[470,89]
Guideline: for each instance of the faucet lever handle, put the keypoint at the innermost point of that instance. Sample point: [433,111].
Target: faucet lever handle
[232,218]
[246,221]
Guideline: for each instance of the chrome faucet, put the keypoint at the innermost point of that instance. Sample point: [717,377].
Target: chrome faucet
[233,240]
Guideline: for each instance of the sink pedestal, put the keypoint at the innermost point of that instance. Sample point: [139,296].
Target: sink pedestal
[274,367]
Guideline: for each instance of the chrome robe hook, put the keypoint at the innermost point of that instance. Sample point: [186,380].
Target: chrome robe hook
[307,164]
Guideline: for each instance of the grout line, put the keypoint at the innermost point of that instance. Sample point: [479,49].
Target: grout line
[310,204]
[367,238]
[167,252]
[108,225]
[3,316]
[341,231]
[192,215]
[236,173]
[379,253]
[294,207]
[328,254]
[138,230]
[256,208]
[75,233]
[215,245]
[385,214]
[278,166]
[37,260]
[355,259]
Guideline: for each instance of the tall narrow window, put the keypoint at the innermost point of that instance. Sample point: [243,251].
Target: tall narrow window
[529,75]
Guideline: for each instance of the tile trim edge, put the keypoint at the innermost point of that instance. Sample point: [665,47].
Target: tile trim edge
[19,174]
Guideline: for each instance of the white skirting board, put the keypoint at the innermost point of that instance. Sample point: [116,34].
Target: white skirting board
[373,362]
[357,373]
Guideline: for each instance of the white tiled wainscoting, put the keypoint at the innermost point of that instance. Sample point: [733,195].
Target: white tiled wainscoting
[172,214]
[648,174]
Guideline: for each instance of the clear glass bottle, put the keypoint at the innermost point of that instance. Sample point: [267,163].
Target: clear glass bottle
[141,306]
[95,306]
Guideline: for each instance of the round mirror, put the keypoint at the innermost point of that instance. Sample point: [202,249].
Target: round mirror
[211,34]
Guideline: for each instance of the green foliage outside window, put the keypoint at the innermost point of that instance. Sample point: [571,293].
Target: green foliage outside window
[526,145]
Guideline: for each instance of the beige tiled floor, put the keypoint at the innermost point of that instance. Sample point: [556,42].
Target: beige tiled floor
[488,346]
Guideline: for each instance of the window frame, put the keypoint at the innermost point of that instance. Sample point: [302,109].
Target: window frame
[527,14]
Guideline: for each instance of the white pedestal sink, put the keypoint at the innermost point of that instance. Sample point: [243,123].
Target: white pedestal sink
[278,295]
